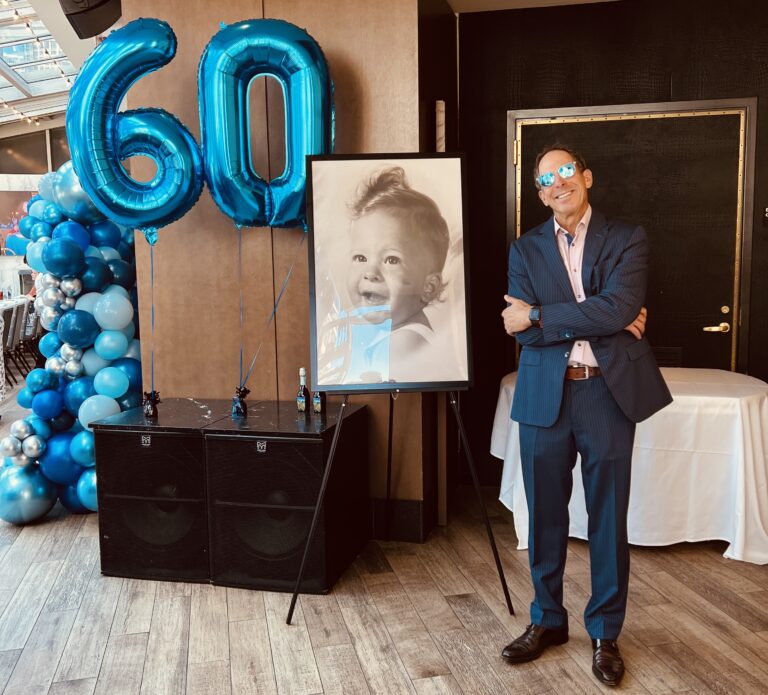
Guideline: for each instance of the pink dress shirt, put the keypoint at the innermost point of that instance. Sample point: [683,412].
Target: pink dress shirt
[572,254]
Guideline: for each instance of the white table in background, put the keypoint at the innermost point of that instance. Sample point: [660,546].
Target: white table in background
[699,466]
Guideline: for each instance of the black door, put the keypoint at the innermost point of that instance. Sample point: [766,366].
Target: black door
[682,175]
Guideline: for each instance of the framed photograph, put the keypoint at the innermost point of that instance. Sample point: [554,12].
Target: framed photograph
[388,273]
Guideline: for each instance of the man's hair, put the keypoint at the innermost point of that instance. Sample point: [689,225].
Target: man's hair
[388,190]
[580,162]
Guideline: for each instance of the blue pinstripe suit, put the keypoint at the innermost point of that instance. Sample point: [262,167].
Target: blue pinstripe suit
[595,417]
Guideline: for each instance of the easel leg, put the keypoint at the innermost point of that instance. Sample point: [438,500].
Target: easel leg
[476,481]
[390,429]
[318,507]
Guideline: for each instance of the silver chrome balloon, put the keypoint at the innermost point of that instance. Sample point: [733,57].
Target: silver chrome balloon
[52,296]
[71,287]
[68,303]
[74,367]
[21,429]
[49,280]
[49,318]
[55,365]
[22,460]
[70,353]
[33,446]
[39,303]
[10,446]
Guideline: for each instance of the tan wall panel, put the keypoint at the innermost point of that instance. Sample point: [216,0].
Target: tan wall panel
[371,48]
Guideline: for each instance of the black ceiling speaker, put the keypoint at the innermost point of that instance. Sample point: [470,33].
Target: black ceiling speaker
[90,17]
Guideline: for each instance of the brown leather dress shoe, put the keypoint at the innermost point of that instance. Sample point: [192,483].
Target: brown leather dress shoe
[533,642]
[607,663]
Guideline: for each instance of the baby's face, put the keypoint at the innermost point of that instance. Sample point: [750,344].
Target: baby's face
[387,268]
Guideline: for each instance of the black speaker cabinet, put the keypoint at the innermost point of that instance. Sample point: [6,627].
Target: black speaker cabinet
[264,475]
[153,520]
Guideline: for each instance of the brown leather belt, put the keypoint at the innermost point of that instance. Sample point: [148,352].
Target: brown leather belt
[581,373]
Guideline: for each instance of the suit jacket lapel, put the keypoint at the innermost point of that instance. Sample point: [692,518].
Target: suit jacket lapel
[596,235]
[551,253]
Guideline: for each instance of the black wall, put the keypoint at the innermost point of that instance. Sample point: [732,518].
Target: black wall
[632,51]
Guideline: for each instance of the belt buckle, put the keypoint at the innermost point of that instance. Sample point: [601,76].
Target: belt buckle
[586,373]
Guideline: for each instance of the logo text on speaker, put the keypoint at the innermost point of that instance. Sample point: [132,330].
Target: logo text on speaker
[261,447]
[146,440]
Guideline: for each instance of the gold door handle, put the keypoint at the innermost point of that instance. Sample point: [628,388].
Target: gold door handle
[722,328]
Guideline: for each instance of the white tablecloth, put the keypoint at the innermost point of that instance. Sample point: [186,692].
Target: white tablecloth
[699,466]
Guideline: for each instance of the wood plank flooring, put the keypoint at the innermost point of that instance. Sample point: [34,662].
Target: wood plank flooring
[405,618]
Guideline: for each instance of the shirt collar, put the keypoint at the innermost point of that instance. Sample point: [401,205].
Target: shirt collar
[582,226]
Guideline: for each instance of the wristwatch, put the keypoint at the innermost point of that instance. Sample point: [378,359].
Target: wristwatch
[534,316]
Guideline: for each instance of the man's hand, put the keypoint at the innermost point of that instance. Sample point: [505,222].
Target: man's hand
[516,315]
[637,327]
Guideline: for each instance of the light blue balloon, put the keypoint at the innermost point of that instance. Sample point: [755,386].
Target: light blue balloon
[109,254]
[130,330]
[70,196]
[45,186]
[110,345]
[111,382]
[86,489]
[82,448]
[116,288]
[134,350]
[232,58]
[113,311]
[87,301]
[37,208]
[26,495]
[94,252]
[35,256]
[52,214]
[92,363]
[99,137]
[95,408]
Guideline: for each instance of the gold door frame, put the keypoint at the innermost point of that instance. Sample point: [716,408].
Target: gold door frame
[744,108]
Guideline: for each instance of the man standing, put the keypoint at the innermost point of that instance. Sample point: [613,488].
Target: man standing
[586,375]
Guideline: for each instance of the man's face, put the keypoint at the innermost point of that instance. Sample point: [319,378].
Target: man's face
[567,197]
[387,268]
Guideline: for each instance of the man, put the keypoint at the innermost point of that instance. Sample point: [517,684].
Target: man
[586,376]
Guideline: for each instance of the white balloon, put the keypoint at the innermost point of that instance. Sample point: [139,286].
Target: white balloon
[113,312]
[87,301]
[119,289]
[92,363]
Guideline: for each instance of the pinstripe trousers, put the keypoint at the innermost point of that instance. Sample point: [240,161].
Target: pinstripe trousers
[592,424]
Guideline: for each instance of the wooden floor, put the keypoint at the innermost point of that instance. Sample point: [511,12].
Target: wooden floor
[403,619]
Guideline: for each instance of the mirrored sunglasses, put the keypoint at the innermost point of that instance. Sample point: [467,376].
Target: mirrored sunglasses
[565,172]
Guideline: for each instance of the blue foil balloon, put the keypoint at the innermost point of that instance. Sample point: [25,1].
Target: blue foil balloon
[26,495]
[233,57]
[100,137]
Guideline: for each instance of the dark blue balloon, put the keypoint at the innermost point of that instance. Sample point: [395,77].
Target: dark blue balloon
[47,404]
[96,275]
[39,379]
[57,463]
[126,251]
[74,232]
[132,399]
[70,501]
[26,224]
[52,214]
[124,273]
[76,392]
[24,397]
[48,344]
[39,229]
[132,369]
[63,257]
[105,233]
[63,422]
[78,328]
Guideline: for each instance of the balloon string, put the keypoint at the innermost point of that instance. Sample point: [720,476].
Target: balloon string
[274,309]
[152,300]
[240,284]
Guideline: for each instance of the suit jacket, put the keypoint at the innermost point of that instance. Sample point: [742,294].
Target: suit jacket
[614,274]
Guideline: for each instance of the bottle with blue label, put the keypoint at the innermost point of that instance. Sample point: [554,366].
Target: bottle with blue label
[303,400]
